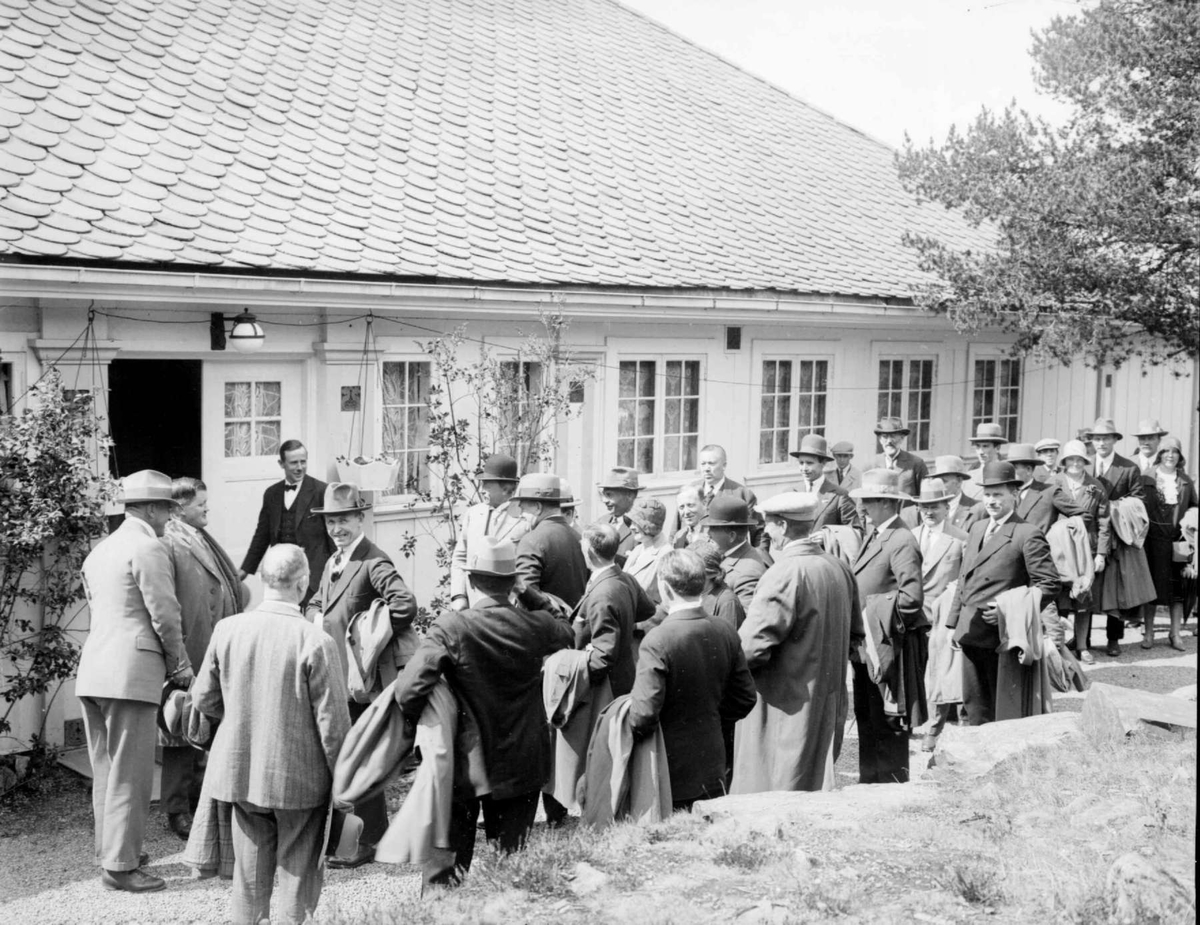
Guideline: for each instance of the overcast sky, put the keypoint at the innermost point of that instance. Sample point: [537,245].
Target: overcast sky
[884,66]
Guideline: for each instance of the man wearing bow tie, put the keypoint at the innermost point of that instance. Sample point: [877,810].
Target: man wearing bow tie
[284,517]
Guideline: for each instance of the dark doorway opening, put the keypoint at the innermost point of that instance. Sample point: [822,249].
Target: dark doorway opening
[154,414]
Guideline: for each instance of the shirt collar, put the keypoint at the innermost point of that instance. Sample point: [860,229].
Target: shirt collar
[887,523]
[349,550]
[280,607]
[141,525]
[612,566]
[733,549]
[818,482]
[677,606]
[1005,519]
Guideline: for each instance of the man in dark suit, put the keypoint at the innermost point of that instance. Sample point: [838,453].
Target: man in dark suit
[891,433]
[691,674]
[1126,565]
[284,517]
[889,561]
[604,618]
[354,577]
[714,482]
[1003,552]
[551,572]
[1034,499]
[491,654]
[836,508]
[728,524]
[989,437]
[618,491]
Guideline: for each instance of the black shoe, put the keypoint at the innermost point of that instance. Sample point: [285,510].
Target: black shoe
[1113,649]
[180,824]
[363,856]
[143,859]
[131,881]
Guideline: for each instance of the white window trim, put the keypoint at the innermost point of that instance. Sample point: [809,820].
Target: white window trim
[990,352]
[893,355]
[373,402]
[774,352]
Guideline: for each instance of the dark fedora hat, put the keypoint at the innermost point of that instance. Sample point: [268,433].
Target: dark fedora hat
[728,511]
[499,468]
[996,474]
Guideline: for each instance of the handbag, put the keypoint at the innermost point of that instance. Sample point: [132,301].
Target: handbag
[1181,551]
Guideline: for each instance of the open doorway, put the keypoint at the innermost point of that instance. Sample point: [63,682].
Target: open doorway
[154,415]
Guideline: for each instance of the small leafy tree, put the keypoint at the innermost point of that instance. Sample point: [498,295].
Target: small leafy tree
[486,404]
[52,503]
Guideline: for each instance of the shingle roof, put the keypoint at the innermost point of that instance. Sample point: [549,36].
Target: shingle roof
[527,141]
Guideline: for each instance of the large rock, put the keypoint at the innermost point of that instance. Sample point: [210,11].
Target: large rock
[975,750]
[1110,713]
[1141,890]
[768,812]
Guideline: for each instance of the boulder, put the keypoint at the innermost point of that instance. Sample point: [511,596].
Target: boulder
[768,812]
[975,750]
[1110,713]
[1142,890]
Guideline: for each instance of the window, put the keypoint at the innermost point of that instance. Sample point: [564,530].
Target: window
[518,417]
[406,424]
[906,392]
[253,418]
[795,395]
[658,415]
[997,395]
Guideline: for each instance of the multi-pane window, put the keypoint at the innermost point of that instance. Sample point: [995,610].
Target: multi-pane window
[406,423]
[906,392]
[997,395]
[518,417]
[253,418]
[795,398]
[658,415]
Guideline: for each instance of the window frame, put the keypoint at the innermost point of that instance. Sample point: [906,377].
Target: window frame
[906,393]
[774,355]
[393,496]
[973,386]
[658,435]
[253,418]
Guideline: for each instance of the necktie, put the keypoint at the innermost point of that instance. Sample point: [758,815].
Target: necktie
[708,494]
[992,527]
[891,463]
[487,524]
[290,486]
[335,571]
[839,475]
[926,538]
[807,485]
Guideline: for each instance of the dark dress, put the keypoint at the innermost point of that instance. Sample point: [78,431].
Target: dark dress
[1169,584]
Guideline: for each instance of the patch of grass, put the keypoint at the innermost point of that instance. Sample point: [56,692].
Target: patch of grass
[541,869]
[754,852]
[977,882]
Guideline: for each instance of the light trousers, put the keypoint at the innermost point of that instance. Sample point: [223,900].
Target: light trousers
[121,736]
[266,840]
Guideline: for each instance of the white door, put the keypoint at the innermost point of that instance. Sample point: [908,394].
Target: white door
[248,409]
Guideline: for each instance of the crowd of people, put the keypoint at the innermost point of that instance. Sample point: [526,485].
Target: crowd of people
[737,640]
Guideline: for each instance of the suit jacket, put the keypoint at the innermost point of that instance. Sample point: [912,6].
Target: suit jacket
[837,507]
[743,569]
[272,680]
[913,471]
[1123,478]
[960,518]
[1037,507]
[1016,556]
[204,589]
[491,656]
[136,636]
[890,560]
[691,674]
[941,564]
[642,565]
[1091,505]
[369,574]
[851,479]
[604,618]
[624,531]
[480,520]
[310,531]
[549,560]
[745,493]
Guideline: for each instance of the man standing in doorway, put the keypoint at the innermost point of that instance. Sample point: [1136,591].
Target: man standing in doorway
[284,517]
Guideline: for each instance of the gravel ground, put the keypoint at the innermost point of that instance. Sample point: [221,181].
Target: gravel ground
[47,874]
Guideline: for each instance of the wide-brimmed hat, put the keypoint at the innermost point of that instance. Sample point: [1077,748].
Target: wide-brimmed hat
[880,484]
[342,498]
[996,474]
[1170,443]
[1023,453]
[933,491]
[145,486]
[891,426]
[499,468]
[813,445]
[648,515]
[539,486]
[727,511]
[1074,448]
[792,505]
[949,465]
[621,477]
[989,432]
[566,495]
[490,556]
[1045,444]
[1148,427]
[1104,427]
[173,711]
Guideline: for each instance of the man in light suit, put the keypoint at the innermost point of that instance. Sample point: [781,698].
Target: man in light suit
[989,437]
[1047,450]
[497,516]
[728,524]
[961,508]
[888,561]
[1034,499]
[836,507]
[841,471]
[208,589]
[134,645]
[1002,552]
[355,576]
[941,545]
[284,518]
[618,491]
[891,433]
[272,680]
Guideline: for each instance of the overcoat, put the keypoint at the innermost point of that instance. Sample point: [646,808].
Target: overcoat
[940,565]
[837,508]
[743,567]
[310,531]
[798,633]
[1169,584]
[604,619]
[1126,581]
[890,560]
[1037,506]
[1091,504]
[549,561]
[913,471]
[851,478]
[479,520]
